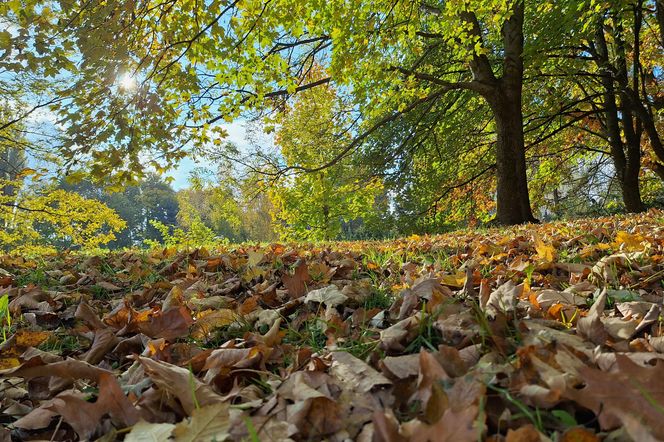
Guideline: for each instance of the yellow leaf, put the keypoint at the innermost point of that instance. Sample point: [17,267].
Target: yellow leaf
[211,319]
[209,423]
[29,338]
[254,257]
[6,363]
[546,253]
[629,242]
[457,280]
[27,172]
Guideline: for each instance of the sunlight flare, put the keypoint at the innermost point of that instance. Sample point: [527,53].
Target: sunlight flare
[127,82]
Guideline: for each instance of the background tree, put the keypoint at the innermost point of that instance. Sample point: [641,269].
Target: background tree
[606,81]
[213,201]
[149,200]
[198,66]
[314,205]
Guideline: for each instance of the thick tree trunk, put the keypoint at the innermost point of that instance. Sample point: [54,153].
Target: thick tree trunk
[504,96]
[629,176]
[513,203]
[629,183]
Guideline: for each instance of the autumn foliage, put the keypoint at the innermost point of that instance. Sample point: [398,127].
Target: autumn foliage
[519,334]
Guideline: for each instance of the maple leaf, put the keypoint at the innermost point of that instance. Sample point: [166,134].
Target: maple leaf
[453,426]
[629,242]
[180,382]
[546,253]
[296,284]
[147,432]
[638,403]
[206,424]
[84,416]
[208,320]
[426,359]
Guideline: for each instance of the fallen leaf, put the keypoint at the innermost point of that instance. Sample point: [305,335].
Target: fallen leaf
[208,320]
[330,296]
[355,374]
[546,253]
[181,383]
[296,284]
[206,424]
[148,432]
[638,402]
[504,299]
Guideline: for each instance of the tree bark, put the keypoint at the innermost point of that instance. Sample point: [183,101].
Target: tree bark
[659,12]
[629,176]
[626,156]
[513,203]
[504,96]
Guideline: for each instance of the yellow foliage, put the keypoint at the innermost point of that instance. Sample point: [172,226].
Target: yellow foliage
[33,222]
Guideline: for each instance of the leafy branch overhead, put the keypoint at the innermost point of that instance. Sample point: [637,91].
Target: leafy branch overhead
[489,99]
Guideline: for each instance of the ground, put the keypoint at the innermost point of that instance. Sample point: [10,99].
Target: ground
[547,332]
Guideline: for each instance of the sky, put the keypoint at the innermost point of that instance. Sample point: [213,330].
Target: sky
[237,134]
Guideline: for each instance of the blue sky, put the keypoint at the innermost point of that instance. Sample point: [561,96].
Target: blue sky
[237,134]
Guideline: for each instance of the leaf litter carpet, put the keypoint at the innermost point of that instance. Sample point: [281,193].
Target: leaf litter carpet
[533,333]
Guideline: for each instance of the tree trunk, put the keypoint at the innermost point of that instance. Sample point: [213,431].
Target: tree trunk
[629,183]
[629,177]
[513,202]
[626,156]
[504,96]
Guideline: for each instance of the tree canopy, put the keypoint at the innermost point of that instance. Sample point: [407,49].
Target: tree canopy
[460,111]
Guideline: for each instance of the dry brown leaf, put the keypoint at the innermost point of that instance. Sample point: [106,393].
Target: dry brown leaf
[147,432]
[504,299]
[638,402]
[296,284]
[401,367]
[355,374]
[170,324]
[181,383]
[104,341]
[591,326]
[206,424]
[395,338]
[83,416]
[70,369]
[527,433]
[452,427]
